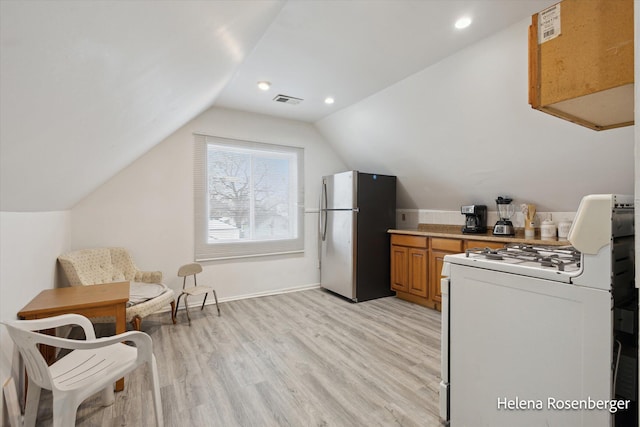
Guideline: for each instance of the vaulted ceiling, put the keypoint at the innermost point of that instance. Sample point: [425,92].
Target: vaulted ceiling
[88,87]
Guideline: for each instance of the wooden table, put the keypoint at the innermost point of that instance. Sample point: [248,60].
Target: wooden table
[109,299]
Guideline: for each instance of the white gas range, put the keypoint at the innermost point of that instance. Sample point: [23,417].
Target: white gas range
[535,335]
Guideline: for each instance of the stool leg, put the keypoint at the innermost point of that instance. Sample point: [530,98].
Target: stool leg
[177,305]
[205,300]
[186,307]
[216,298]
[173,312]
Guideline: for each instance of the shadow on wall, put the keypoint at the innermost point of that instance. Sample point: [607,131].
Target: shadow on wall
[404,200]
[60,280]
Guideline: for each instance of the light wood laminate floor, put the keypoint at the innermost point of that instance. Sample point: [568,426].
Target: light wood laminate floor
[305,358]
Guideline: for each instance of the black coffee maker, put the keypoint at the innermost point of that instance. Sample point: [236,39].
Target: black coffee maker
[476,219]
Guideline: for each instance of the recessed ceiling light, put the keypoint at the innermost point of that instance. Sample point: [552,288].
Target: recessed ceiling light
[463,22]
[264,85]
[329,100]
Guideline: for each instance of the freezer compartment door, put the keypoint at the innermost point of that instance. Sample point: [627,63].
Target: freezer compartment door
[337,260]
[339,191]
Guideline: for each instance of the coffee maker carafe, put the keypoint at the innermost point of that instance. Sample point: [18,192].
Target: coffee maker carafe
[476,219]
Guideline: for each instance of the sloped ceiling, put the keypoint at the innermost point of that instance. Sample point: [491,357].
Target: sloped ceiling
[461,132]
[352,49]
[87,87]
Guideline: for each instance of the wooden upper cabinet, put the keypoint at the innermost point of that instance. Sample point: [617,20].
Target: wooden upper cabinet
[582,70]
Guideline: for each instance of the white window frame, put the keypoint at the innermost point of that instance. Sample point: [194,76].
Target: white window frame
[227,249]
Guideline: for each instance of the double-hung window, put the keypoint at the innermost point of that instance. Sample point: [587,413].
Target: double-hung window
[248,198]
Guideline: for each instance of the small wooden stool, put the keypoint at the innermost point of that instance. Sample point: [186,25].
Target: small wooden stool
[192,270]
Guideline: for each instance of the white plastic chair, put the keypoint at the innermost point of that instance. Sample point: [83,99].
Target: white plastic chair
[93,365]
[192,270]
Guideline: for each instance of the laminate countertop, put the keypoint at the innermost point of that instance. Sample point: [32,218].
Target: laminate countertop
[455,232]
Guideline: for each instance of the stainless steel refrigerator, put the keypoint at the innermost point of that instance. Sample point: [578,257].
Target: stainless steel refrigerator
[356,210]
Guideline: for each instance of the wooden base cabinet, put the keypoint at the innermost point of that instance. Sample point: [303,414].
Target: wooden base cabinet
[409,268]
[399,267]
[435,265]
[440,248]
[418,272]
[471,244]
[416,265]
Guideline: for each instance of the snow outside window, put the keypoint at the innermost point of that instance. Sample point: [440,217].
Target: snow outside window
[248,198]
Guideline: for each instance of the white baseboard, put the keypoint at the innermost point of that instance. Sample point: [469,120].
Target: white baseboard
[268,293]
[210,300]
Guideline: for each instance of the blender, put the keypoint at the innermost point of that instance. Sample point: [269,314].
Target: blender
[504,227]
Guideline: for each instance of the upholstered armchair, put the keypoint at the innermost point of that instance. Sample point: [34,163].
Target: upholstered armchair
[107,265]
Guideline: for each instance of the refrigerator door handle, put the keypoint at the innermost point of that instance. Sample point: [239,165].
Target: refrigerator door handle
[319,232]
[320,211]
[324,228]
[323,211]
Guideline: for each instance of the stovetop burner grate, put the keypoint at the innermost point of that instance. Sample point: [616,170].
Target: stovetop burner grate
[557,257]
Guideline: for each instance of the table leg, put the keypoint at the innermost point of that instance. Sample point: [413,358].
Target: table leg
[48,352]
[121,328]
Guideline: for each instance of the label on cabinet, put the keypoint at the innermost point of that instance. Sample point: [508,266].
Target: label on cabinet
[549,23]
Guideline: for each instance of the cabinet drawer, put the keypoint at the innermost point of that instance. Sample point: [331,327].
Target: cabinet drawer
[483,244]
[405,240]
[449,245]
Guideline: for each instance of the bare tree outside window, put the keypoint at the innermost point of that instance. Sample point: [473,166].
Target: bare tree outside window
[248,198]
[249,194]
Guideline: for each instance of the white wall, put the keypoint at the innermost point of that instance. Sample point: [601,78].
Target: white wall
[409,219]
[148,207]
[462,132]
[30,244]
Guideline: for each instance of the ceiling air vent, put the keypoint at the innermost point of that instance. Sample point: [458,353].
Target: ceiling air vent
[286,99]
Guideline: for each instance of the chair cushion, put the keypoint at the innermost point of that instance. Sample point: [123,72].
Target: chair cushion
[123,266]
[141,292]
